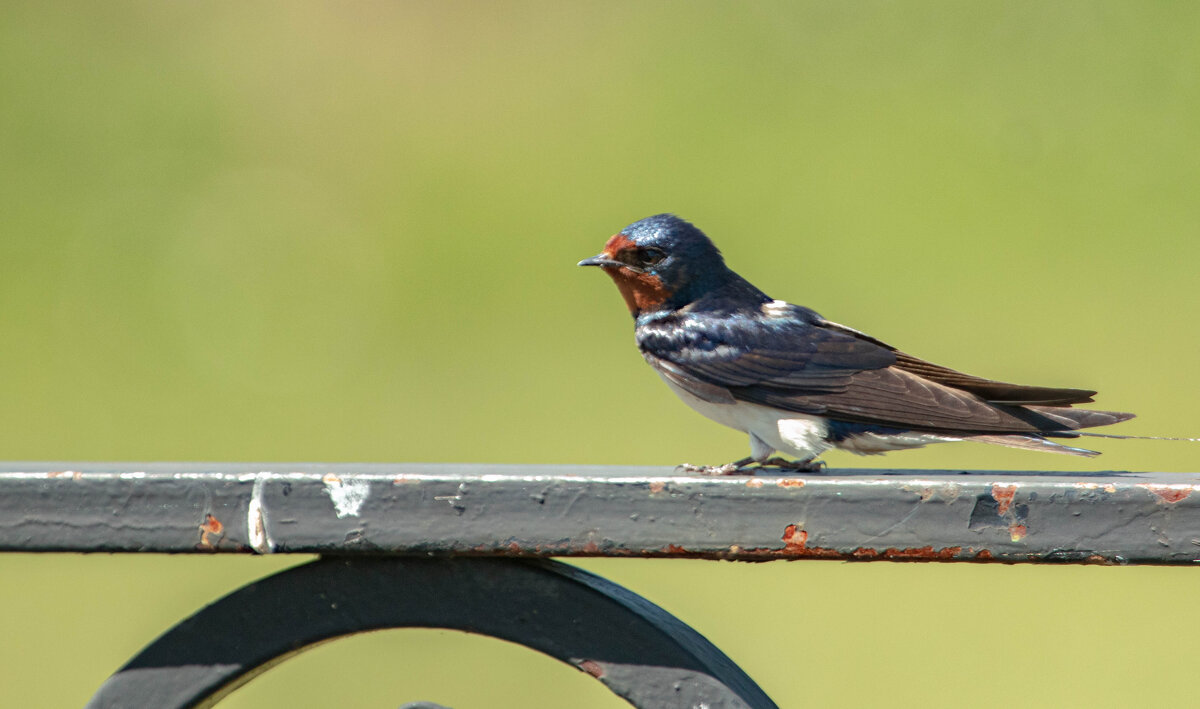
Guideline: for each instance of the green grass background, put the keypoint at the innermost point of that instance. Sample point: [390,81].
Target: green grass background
[347,232]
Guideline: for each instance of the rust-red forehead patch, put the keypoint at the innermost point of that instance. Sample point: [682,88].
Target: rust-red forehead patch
[618,242]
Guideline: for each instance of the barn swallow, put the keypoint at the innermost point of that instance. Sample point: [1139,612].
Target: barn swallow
[800,384]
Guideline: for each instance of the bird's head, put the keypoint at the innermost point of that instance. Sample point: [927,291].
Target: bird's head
[661,262]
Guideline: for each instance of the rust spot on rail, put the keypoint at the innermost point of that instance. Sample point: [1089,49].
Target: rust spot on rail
[1168,494]
[925,553]
[1004,494]
[1107,487]
[795,545]
[211,527]
[592,667]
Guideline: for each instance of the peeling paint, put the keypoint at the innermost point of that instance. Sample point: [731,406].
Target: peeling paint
[1169,494]
[1003,494]
[256,518]
[211,527]
[347,497]
[795,548]
[592,511]
[1107,487]
[794,538]
[946,492]
[925,553]
[591,667]
[456,501]
[795,541]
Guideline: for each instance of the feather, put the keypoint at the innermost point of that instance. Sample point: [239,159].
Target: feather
[791,359]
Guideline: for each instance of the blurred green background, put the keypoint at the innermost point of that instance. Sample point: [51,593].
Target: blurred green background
[347,232]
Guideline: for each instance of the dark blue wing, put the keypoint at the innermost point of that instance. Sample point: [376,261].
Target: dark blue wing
[793,360]
[740,351]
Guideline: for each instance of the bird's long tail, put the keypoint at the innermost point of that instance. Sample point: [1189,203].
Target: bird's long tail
[1038,443]
[1032,443]
[1136,438]
[1061,418]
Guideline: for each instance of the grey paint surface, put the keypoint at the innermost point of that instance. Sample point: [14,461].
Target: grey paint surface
[548,510]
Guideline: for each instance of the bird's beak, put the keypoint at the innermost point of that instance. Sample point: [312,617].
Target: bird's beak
[600,260]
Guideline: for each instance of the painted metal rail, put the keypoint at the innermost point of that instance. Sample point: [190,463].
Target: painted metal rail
[539,511]
[382,528]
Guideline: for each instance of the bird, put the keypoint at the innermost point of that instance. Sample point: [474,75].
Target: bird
[799,384]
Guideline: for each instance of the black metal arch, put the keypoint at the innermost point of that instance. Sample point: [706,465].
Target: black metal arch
[638,650]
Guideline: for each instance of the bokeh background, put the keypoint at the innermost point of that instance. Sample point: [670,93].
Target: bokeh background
[347,232]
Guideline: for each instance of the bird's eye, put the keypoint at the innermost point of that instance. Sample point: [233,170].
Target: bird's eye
[649,257]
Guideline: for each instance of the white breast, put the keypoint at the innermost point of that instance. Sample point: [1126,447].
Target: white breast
[798,435]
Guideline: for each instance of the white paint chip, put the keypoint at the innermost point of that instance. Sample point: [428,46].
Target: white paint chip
[347,497]
[256,518]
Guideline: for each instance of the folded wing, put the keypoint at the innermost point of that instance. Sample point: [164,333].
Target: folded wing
[809,365]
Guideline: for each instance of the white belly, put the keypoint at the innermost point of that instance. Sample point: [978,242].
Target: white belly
[798,435]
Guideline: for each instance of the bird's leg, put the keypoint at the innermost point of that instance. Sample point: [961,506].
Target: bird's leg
[737,467]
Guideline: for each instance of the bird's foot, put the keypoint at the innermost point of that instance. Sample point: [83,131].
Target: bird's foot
[811,465]
[737,467]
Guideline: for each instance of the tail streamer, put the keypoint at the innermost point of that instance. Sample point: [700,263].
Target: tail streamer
[1136,438]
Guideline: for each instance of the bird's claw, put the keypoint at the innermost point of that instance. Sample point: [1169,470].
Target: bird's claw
[811,465]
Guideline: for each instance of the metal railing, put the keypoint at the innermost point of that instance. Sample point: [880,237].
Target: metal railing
[465,547]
